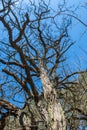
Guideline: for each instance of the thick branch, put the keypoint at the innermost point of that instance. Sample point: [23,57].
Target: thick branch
[5,104]
[22,30]
[70,75]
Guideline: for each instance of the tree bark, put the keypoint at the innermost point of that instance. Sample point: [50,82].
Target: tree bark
[56,118]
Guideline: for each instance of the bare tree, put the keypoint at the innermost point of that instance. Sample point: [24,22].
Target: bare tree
[32,52]
[74,102]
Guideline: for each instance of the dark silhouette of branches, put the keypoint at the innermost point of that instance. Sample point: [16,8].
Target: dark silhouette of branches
[37,40]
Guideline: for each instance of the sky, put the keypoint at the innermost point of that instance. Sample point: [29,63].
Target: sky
[76,57]
[79,35]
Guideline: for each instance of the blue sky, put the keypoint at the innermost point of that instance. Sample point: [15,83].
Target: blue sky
[79,35]
[76,57]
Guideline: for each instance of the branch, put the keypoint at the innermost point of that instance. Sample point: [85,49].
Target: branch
[22,83]
[12,63]
[22,30]
[70,75]
[77,19]
[7,27]
[77,109]
[5,104]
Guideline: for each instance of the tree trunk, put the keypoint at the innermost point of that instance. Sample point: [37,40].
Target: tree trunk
[56,119]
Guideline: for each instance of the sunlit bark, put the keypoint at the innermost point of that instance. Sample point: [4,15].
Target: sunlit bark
[56,118]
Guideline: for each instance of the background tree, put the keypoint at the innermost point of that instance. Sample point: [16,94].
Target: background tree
[74,102]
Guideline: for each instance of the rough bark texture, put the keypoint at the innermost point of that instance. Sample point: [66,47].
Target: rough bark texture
[56,119]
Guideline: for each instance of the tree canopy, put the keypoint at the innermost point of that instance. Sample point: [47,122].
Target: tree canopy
[33,49]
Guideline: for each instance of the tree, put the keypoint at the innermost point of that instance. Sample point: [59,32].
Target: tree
[75,103]
[32,53]
[11,109]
